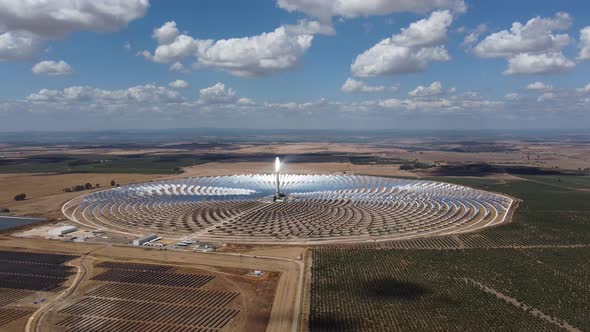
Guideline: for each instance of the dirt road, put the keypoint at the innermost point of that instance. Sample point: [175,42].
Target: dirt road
[286,304]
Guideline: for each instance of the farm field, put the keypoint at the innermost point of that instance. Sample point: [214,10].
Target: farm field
[295,166]
[90,163]
[425,290]
[547,215]
[527,275]
[524,275]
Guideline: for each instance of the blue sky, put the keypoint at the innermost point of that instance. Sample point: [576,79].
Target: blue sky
[88,70]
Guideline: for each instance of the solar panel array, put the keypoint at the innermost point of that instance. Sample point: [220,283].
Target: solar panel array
[320,208]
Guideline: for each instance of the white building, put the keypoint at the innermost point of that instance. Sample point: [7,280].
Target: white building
[62,230]
[142,240]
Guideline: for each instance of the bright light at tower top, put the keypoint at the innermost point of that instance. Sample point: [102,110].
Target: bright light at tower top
[277,164]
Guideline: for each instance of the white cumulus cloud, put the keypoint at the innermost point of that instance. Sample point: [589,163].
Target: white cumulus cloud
[149,93]
[19,45]
[352,86]
[472,37]
[543,63]
[512,96]
[159,106]
[436,88]
[166,33]
[584,44]
[409,51]
[546,96]
[217,94]
[537,35]
[531,48]
[257,55]
[179,84]
[326,9]
[539,86]
[26,24]
[178,67]
[54,68]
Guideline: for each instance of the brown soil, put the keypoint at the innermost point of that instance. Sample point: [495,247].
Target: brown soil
[274,293]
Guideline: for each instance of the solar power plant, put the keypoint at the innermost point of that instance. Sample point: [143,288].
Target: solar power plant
[318,208]
[142,297]
[24,274]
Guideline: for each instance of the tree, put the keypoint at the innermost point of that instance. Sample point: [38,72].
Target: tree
[68,190]
[112,183]
[20,197]
[88,185]
[4,210]
[97,185]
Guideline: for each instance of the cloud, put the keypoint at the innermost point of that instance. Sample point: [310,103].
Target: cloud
[584,44]
[217,94]
[252,56]
[246,101]
[178,67]
[532,48]
[19,45]
[472,38]
[546,96]
[469,102]
[543,63]
[512,96]
[585,89]
[326,9]
[166,33]
[352,86]
[436,88]
[25,25]
[409,51]
[179,84]
[539,86]
[149,93]
[533,37]
[153,106]
[53,68]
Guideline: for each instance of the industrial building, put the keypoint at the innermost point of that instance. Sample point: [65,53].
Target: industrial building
[62,230]
[140,241]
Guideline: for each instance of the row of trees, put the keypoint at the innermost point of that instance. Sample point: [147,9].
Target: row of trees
[425,290]
[79,187]
[86,186]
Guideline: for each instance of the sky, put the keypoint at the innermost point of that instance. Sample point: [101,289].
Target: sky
[296,64]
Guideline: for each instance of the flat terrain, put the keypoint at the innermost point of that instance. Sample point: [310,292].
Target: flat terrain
[528,275]
[274,293]
[425,290]
[45,193]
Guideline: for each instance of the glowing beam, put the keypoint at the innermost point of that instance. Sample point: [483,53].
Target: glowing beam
[277,165]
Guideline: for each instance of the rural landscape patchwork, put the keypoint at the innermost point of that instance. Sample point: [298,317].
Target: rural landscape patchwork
[397,166]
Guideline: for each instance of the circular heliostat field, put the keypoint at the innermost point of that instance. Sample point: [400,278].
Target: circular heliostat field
[318,208]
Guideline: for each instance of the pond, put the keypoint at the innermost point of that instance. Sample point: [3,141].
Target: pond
[7,222]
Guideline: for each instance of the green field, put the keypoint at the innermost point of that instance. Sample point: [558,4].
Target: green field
[547,215]
[141,164]
[433,290]
[574,182]
[533,260]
